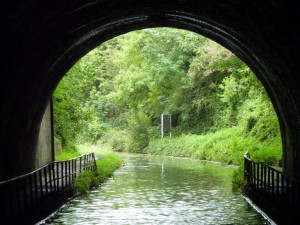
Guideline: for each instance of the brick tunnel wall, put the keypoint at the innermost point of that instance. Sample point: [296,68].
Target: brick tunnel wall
[44,153]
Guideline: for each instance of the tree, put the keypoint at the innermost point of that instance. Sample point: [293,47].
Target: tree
[122,87]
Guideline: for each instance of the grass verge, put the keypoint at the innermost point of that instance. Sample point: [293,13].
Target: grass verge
[106,165]
[227,146]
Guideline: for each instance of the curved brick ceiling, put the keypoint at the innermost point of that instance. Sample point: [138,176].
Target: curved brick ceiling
[41,40]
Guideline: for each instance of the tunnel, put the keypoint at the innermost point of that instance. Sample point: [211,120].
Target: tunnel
[42,40]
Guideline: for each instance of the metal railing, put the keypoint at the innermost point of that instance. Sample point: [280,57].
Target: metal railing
[31,190]
[281,191]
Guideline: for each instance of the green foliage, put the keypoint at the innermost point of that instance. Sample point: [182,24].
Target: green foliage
[238,178]
[84,181]
[65,155]
[114,97]
[137,135]
[226,145]
[106,165]
[116,140]
[268,152]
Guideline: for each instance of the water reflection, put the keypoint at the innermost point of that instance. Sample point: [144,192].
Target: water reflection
[162,190]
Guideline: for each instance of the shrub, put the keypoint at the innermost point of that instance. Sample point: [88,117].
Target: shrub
[106,165]
[238,178]
[84,181]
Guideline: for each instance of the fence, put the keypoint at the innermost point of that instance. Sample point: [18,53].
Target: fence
[35,189]
[272,185]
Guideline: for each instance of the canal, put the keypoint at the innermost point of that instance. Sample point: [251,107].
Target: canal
[162,190]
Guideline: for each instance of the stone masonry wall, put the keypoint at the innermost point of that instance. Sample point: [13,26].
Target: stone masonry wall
[44,146]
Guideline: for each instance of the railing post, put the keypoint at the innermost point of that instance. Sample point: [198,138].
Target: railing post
[41,184]
[273,184]
[53,176]
[69,172]
[30,190]
[80,164]
[246,168]
[283,190]
[84,162]
[94,162]
[61,176]
[35,183]
[50,177]
[264,177]
[46,180]
[75,168]
[57,176]
[66,173]
[277,185]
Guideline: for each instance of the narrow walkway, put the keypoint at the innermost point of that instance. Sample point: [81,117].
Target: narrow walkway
[39,191]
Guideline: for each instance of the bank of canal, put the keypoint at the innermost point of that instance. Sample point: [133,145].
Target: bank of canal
[162,190]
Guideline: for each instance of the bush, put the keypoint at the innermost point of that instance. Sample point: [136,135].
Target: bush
[137,133]
[226,145]
[84,181]
[116,140]
[106,165]
[238,178]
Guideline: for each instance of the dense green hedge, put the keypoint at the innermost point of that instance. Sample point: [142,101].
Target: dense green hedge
[226,145]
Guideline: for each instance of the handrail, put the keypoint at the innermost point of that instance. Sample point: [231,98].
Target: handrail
[277,189]
[26,191]
[35,171]
[272,168]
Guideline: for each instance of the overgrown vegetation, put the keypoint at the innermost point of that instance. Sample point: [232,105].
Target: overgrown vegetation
[65,155]
[114,96]
[227,146]
[106,165]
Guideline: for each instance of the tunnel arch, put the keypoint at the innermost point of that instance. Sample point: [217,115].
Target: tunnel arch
[79,28]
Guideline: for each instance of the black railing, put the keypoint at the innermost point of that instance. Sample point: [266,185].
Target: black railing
[273,186]
[35,189]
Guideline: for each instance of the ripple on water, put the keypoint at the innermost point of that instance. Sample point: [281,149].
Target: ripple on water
[162,190]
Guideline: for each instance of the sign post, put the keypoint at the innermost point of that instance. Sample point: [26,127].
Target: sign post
[165,125]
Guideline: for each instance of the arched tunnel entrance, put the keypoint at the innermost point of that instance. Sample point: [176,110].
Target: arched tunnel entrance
[41,41]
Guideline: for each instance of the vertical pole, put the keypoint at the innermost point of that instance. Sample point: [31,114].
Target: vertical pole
[162,125]
[75,170]
[31,189]
[80,164]
[265,179]
[50,176]
[283,192]
[46,180]
[35,183]
[41,183]
[262,176]
[57,176]
[62,173]
[69,172]
[170,125]
[66,173]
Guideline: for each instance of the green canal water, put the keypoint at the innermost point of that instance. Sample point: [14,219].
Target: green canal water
[162,190]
